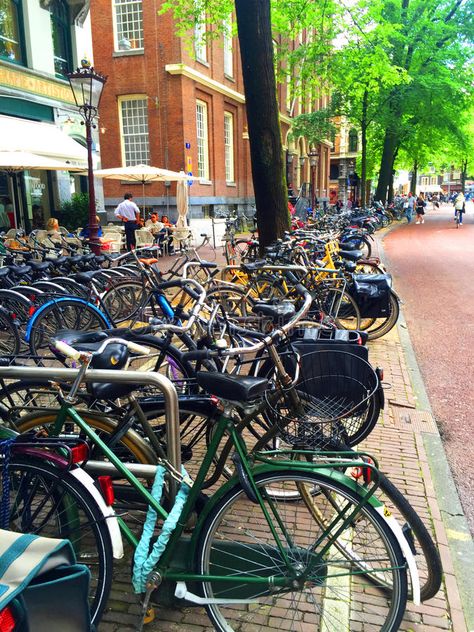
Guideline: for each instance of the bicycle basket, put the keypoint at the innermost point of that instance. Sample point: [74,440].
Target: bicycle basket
[330,403]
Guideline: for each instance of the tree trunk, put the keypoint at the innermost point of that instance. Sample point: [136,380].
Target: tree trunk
[391,193]
[386,165]
[363,167]
[414,177]
[463,174]
[263,118]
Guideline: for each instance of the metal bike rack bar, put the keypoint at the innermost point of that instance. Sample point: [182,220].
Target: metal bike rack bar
[161,382]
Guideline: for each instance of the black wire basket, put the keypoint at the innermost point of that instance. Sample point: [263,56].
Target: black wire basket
[329,404]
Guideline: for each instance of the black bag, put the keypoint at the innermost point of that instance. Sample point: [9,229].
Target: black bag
[372,294]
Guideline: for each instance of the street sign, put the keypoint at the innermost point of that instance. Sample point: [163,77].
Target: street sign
[190,182]
[187,145]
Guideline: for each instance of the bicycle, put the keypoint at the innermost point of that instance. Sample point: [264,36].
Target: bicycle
[269,563]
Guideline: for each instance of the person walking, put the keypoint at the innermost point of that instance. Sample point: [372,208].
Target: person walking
[128,212]
[409,205]
[420,209]
[459,206]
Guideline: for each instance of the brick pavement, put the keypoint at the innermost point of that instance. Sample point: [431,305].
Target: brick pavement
[397,441]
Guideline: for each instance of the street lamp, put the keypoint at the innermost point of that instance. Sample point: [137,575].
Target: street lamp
[313,163]
[87,85]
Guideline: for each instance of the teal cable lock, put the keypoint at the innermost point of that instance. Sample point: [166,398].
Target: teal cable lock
[145,561]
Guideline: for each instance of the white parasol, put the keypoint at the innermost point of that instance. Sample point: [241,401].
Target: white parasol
[143,174]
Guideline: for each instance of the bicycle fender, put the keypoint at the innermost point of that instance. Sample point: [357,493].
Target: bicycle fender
[73,299]
[397,531]
[109,514]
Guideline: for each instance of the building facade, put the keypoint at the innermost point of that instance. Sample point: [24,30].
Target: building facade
[168,106]
[41,40]
[344,181]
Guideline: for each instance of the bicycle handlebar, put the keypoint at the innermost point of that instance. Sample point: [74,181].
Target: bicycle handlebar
[74,354]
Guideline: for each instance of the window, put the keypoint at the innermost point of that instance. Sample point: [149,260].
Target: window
[11,47]
[229,146]
[200,44]
[128,22]
[202,140]
[60,28]
[353,140]
[134,126]
[228,56]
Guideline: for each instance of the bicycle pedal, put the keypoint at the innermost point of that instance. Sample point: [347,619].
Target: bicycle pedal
[149,615]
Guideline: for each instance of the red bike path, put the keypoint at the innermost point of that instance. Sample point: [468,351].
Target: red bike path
[433,269]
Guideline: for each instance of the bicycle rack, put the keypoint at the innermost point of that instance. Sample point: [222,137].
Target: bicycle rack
[161,382]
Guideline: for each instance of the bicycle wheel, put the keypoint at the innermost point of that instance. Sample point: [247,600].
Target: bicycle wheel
[129,446]
[427,556]
[123,299]
[9,338]
[50,502]
[233,300]
[63,313]
[323,589]
[378,327]
[341,308]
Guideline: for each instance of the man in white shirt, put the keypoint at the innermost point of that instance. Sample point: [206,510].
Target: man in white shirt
[128,212]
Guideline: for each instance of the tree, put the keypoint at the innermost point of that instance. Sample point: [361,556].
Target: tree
[258,68]
[431,43]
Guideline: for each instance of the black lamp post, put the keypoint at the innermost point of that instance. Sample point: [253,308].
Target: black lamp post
[87,85]
[313,163]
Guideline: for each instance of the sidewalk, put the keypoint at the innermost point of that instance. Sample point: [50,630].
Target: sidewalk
[407,443]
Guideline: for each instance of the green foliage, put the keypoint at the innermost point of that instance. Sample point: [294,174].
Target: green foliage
[75,212]
[314,126]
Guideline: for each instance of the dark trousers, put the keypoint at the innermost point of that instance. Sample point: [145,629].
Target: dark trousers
[130,228]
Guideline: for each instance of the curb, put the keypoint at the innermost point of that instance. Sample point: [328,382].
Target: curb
[460,541]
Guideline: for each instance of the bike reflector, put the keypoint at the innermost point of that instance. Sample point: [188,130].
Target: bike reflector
[107,489]
[79,453]
[7,620]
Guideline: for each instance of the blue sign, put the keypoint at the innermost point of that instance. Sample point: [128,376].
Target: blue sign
[187,145]
[190,182]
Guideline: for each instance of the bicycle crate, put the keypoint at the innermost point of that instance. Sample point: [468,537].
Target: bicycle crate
[334,390]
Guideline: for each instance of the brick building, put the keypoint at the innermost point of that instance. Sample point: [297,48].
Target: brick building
[170,107]
[40,41]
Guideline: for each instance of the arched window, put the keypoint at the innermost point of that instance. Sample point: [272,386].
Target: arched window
[353,140]
[61,30]
[11,31]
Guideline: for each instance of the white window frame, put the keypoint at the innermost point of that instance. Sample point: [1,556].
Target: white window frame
[124,3]
[229,147]
[200,42]
[145,156]
[228,48]
[202,139]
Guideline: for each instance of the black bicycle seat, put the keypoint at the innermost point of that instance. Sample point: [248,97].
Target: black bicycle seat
[40,266]
[351,255]
[236,388]
[281,313]
[85,277]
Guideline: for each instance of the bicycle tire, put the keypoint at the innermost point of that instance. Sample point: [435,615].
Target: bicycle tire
[234,540]
[42,498]
[9,337]
[130,446]
[429,565]
[62,313]
[378,327]
[123,299]
[17,304]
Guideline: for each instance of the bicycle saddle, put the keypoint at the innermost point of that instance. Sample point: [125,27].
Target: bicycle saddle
[40,266]
[254,266]
[85,277]
[4,272]
[236,388]
[281,313]
[114,356]
[351,255]
[19,270]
